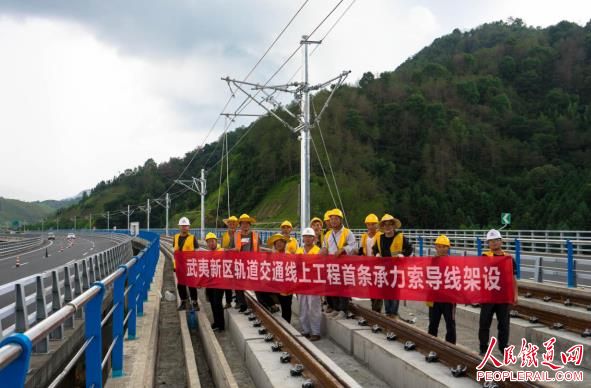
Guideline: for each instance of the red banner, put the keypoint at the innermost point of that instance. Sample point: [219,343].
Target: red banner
[454,279]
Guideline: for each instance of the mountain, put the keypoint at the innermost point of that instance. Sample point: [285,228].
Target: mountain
[14,212]
[58,204]
[494,119]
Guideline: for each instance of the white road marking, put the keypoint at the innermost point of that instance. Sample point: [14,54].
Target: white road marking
[26,253]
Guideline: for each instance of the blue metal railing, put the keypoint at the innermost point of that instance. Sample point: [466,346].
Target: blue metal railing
[137,273]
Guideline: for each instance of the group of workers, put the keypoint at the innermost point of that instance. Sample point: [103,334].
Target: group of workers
[329,236]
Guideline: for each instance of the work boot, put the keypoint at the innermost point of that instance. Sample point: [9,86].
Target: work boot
[314,338]
[183,306]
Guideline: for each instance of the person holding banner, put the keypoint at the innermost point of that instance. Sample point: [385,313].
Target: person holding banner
[245,240]
[366,249]
[185,241]
[310,305]
[437,309]
[338,241]
[279,243]
[292,243]
[316,225]
[502,310]
[215,295]
[391,243]
[227,243]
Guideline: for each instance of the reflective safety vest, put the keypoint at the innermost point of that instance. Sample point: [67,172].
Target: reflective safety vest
[313,251]
[188,245]
[254,241]
[342,240]
[490,253]
[364,237]
[395,247]
[226,239]
[292,245]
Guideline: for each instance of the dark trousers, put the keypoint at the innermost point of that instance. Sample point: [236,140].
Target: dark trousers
[228,294]
[330,301]
[265,298]
[391,306]
[448,310]
[376,305]
[217,308]
[486,315]
[241,299]
[183,292]
[285,302]
[341,303]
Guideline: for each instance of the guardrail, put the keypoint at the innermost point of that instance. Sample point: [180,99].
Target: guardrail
[574,271]
[8,247]
[529,253]
[129,283]
[22,301]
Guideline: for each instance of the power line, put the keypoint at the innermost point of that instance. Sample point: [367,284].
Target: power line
[232,96]
[247,100]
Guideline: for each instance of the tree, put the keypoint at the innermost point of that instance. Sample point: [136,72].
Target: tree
[366,79]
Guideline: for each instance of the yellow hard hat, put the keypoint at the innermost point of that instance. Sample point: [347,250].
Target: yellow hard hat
[230,219]
[286,223]
[276,237]
[210,236]
[327,215]
[371,219]
[443,240]
[315,219]
[246,218]
[336,212]
[388,217]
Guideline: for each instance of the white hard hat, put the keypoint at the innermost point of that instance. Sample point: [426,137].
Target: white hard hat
[308,232]
[493,234]
[184,221]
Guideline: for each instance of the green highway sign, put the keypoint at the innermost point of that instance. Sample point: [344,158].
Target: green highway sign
[505,218]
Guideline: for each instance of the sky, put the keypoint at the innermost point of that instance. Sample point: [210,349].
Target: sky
[91,88]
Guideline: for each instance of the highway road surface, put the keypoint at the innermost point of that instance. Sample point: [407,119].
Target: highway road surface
[59,252]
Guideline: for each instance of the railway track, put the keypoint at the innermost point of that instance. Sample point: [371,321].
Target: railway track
[304,360]
[461,361]
[566,296]
[551,317]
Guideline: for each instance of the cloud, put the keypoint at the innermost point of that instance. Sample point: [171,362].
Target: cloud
[76,109]
[91,88]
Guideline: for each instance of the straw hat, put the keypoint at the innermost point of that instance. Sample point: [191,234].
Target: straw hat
[388,217]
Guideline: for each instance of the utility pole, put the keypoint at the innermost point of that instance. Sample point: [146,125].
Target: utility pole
[167,206]
[57,221]
[128,214]
[305,141]
[108,221]
[198,186]
[301,92]
[90,222]
[202,192]
[42,225]
[74,223]
[148,214]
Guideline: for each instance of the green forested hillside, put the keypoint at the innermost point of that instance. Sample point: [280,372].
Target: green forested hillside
[495,119]
[13,213]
